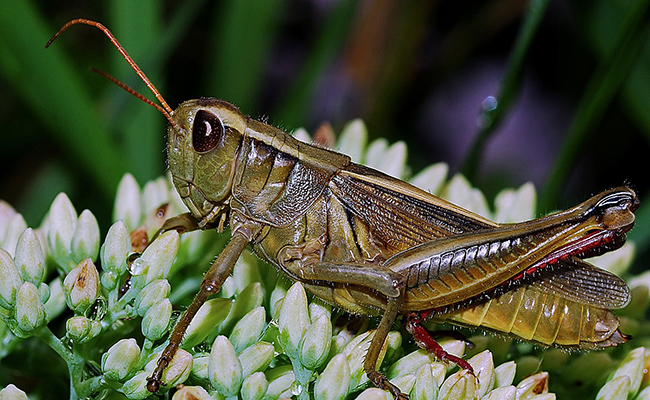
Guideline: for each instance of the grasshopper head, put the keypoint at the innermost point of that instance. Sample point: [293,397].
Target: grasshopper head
[201,153]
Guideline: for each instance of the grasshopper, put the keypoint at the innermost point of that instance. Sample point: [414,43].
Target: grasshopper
[375,245]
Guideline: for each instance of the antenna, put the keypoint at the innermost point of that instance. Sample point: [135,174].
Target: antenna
[164,110]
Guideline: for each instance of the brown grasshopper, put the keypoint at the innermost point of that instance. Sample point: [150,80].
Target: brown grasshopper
[374,245]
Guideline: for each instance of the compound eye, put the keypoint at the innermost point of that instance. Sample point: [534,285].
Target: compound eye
[206,131]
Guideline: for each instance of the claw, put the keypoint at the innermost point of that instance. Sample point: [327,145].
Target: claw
[424,340]
[380,381]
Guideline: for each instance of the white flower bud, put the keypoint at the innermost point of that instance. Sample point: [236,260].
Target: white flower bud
[177,371]
[248,329]
[55,304]
[156,320]
[302,135]
[484,369]
[617,388]
[154,194]
[644,394]
[280,380]
[315,345]
[459,191]
[44,292]
[77,328]
[11,392]
[431,178]
[7,213]
[179,368]
[10,282]
[504,374]
[405,383]
[15,228]
[460,385]
[393,347]
[387,158]
[333,383]
[632,366]
[81,286]
[254,386]
[211,313]
[128,202]
[151,294]
[294,320]
[116,248]
[409,364]
[200,366]
[502,393]
[120,359]
[256,358]
[136,387]
[224,368]
[352,140]
[192,393]
[62,220]
[158,257]
[515,205]
[426,387]
[374,394]
[85,240]
[356,351]
[277,299]
[534,384]
[317,308]
[29,259]
[30,311]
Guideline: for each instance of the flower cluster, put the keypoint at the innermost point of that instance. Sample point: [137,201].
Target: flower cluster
[260,338]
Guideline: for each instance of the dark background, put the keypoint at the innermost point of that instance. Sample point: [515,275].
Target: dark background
[575,121]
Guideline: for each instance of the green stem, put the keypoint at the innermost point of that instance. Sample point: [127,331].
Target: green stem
[303,376]
[147,350]
[95,384]
[123,301]
[603,85]
[492,116]
[74,361]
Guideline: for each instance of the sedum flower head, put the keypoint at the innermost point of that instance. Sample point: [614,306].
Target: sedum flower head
[262,337]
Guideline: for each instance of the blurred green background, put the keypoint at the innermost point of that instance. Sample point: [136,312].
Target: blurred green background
[507,91]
